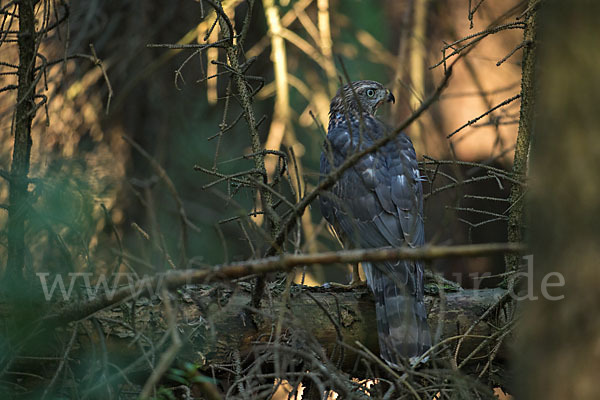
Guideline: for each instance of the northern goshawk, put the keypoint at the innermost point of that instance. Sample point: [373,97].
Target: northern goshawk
[378,202]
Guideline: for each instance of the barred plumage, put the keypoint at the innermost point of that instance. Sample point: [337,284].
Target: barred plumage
[379,202]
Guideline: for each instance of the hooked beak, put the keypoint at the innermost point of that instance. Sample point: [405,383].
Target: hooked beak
[390,97]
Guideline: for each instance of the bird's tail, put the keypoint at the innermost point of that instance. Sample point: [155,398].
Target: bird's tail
[400,311]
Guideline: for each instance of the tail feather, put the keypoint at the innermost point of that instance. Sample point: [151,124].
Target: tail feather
[400,311]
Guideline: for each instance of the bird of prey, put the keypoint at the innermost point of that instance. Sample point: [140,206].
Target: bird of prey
[376,203]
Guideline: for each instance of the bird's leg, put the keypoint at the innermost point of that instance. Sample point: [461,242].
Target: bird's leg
[355,281]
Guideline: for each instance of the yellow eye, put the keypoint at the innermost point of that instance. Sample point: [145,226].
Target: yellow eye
[370,92]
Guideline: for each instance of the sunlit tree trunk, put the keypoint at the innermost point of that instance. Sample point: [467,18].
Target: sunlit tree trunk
[519,170]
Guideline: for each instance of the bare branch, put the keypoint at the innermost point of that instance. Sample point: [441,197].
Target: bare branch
[471,122]
[175,278]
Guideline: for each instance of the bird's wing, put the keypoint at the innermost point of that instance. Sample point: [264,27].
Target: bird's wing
[400,191]
[378,202]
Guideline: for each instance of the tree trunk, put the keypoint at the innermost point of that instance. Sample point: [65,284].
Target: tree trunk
[216,324]
[14,279]
[517,192]
[559,336]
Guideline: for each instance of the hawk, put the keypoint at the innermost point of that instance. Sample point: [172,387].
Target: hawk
[376,203]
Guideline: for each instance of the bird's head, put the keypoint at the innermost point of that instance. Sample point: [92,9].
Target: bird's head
[370,94]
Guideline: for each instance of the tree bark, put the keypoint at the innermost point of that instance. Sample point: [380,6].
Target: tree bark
[516,217]
[559,343]
[218,325]
[13,279]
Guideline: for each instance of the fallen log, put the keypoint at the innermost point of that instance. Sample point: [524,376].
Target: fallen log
[217,326]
